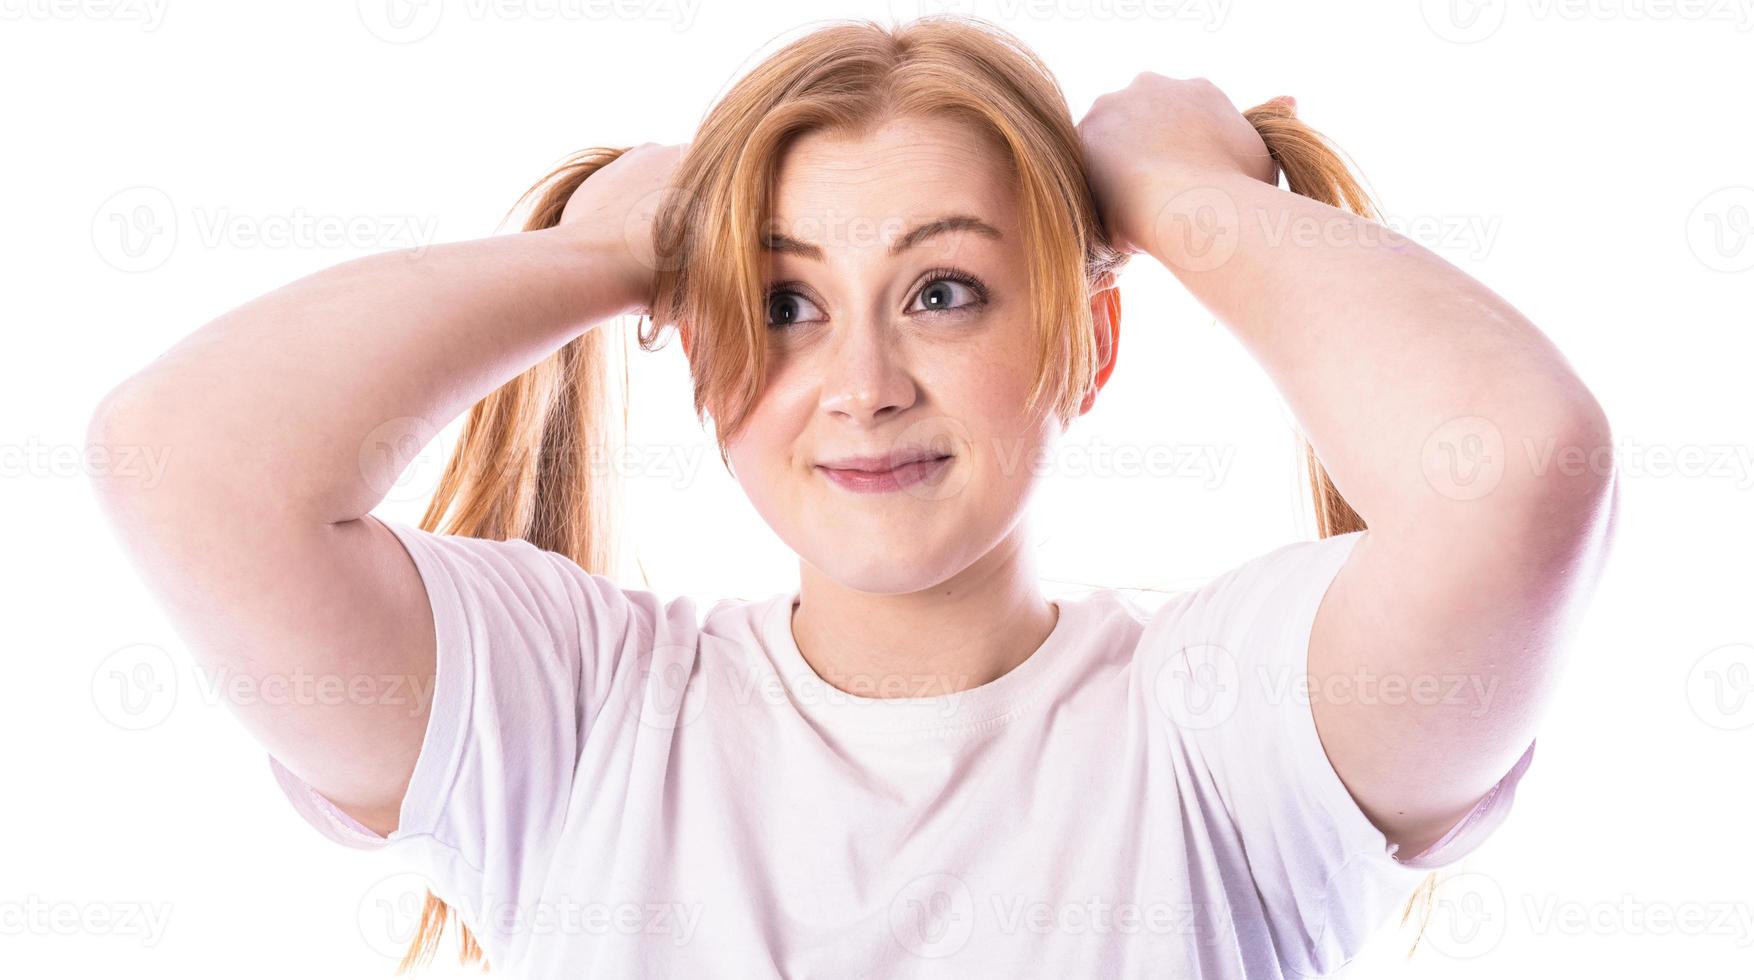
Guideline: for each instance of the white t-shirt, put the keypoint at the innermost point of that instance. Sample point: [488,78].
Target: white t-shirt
[613,786]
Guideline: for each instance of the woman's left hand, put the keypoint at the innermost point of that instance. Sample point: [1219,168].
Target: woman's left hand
[1157,137]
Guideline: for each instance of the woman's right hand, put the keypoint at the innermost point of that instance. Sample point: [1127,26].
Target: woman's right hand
[620,203]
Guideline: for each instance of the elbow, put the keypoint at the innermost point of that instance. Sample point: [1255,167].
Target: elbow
[1579,470]
[125,451]
[1577,503]
[1546,463]
[1565,488]
[102,435]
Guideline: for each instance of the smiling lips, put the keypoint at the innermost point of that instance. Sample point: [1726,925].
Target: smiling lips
[885,474]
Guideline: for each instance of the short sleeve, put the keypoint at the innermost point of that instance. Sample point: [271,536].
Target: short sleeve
[1230,674]
[527,646]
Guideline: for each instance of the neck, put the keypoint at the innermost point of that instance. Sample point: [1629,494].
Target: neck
[964,632]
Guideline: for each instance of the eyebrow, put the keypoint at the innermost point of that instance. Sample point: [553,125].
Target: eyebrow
[775,242]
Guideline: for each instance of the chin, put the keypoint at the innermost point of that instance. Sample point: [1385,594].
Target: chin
[880,572]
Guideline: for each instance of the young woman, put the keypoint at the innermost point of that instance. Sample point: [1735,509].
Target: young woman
[891,257]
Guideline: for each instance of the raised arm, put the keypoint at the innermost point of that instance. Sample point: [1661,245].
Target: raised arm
[1478,458]
[255,539]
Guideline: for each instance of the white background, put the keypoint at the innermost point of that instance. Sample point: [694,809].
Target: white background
[1588,161]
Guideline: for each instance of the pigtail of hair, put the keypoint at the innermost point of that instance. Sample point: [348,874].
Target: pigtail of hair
[1314,168]
[523,468]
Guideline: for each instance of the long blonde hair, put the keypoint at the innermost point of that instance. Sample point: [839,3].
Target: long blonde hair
[521,467]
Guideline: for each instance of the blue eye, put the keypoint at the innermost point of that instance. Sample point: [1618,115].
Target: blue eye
[941,291]
[945,291]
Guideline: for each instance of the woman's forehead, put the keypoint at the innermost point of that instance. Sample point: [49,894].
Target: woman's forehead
[876,186]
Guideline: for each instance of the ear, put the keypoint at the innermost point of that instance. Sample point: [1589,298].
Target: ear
[1105,312]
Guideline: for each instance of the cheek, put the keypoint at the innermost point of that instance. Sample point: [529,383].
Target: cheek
[1017,444]
[990,398]
[764,446]
[751,455]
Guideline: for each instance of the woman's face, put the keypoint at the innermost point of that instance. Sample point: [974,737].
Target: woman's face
[878,346]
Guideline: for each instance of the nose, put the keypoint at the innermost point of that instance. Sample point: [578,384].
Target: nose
[866,378]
